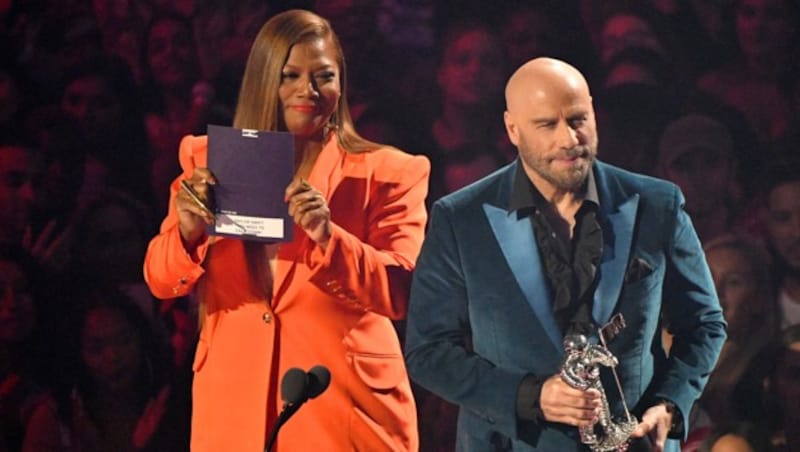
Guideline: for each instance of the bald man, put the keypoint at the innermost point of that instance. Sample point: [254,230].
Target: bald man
[559,243]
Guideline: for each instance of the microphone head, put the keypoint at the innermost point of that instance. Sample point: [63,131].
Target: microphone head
[294,386]
[319,377]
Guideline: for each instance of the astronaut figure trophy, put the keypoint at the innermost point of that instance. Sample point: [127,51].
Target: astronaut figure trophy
[581,370]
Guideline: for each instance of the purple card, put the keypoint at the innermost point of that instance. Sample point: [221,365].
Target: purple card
[253,168]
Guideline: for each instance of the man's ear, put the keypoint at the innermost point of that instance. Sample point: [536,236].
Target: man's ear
[511,128]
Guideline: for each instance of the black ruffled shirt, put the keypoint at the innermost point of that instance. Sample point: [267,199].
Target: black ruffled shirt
[570,267]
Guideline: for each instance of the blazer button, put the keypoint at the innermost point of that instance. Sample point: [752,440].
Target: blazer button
[267,317]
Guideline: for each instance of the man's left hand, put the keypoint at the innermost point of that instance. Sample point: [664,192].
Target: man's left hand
[656,423]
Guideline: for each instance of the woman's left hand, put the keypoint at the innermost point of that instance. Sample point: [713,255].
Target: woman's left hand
[150,419]
[310,211]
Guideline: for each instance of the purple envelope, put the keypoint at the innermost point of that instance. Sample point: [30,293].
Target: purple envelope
[252,168]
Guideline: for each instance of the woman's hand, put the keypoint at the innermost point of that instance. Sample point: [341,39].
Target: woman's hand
[193,216]
[150,419]
[310,211]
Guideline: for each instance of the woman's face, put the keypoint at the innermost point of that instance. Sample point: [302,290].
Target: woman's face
[472,69]
[736,285]
[763,27]
[625,31]
[170,54]
[117,247]
[111,349]
[92,102]
[310,87]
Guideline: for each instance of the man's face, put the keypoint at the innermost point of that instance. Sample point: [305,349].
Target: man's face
[703,174]
[16,192]
[94,105]
[783,223]
[555,132]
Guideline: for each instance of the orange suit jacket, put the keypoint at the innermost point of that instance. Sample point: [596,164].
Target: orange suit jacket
[332,308]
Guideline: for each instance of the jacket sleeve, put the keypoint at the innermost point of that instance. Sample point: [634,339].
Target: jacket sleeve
[374,274]
[693,313]
[437,349]
[169,270]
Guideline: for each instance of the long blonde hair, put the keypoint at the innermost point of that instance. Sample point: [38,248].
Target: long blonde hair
[258,106]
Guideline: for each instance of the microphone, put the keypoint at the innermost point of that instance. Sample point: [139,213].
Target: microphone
[297,387]
[294,386]
[319,377]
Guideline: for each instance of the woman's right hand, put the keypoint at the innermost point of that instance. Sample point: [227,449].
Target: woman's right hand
[193,218]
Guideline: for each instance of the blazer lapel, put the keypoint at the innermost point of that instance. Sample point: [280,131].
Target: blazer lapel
[618,218]
[325,177]
[516,240]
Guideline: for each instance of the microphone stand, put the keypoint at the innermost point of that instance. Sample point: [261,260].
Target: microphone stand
[286,413]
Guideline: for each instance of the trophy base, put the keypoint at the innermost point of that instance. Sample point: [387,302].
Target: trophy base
[616,437]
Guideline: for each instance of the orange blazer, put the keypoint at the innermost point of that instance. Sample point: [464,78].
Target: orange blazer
[333,308]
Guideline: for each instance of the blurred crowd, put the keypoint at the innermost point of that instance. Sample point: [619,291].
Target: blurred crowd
[96,94]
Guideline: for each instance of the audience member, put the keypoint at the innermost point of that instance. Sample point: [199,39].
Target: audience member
[81,40]
[107,247]
[181,102]
[696,153]
[16,191]
[113,391]
[11,99]
[770,393]
[632,25]
[530,30]
[640,74]
[742,277]
[696,30]
[223,34]
[636,101]
[102,98]
[782,227]
[109,11]
[57,182]
[767,34]
[123,38]
[374,111]
[22,352]
[464,139]
[736,437]
[748,151]
[625,25]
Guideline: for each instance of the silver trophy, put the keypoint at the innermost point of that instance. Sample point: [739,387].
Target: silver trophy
[581,370]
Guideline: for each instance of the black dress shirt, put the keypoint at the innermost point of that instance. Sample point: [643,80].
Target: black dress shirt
[569,265]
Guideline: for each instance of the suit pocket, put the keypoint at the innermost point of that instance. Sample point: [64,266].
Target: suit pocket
[638,269]
[382,372]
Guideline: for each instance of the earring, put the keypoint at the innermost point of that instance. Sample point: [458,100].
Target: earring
[332,125]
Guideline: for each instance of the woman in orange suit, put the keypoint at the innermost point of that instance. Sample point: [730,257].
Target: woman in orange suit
[329,296]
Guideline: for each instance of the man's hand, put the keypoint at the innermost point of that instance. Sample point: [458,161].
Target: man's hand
[656,422]
[562,403]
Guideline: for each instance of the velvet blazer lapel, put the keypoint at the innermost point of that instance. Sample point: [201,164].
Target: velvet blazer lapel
[516,240]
